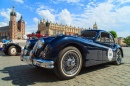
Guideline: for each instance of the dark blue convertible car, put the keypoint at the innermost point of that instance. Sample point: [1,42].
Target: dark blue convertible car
[68,54]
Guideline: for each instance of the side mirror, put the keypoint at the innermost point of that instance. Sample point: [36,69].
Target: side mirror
[24,37]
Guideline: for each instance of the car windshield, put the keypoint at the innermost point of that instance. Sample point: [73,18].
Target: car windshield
[89,34]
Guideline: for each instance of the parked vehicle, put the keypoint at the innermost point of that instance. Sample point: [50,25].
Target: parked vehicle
[13,49]
[6,40]
[68,54]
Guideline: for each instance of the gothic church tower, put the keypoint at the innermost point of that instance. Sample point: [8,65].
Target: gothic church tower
[13,24]
[21,28]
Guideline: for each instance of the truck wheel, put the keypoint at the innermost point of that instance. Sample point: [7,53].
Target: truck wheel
[68,63]
[118,57]
[12,51]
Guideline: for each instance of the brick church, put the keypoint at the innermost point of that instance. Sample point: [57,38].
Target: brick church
[15,30]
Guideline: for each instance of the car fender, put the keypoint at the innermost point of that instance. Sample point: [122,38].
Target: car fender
[119,47]
[63,41]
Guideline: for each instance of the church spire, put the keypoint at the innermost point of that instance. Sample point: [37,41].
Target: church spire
[95,26]
[13,13]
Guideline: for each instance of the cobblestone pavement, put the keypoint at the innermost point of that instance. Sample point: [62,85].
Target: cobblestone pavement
[13,72]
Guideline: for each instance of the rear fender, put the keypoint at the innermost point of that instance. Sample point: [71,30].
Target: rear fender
[12,44]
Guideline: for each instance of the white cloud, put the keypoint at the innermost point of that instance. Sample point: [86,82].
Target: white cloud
[19,1]
[65,17]
[107,15]
[31,28]
[46,14]
[3,24]
[69,1]
[122,1]
[35,20]
[5,14]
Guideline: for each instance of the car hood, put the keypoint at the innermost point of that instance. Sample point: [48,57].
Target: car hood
[48,39]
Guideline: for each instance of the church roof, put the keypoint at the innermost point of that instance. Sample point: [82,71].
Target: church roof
[13,13]
[4,29]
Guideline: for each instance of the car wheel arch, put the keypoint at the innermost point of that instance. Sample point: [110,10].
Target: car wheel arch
[79,48]
[121,52]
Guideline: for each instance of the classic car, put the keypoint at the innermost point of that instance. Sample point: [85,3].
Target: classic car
[13,49]
[68,54]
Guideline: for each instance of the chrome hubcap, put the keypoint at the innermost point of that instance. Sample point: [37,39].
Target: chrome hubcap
[13,50]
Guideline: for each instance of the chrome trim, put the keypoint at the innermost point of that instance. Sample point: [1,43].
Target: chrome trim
[28,43]
[35,46]
[37,61]
[43,63]
[40,43]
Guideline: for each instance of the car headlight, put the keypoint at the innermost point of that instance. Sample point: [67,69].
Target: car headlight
[40,43]
[28,43]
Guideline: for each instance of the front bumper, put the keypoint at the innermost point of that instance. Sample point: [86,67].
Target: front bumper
[49,64]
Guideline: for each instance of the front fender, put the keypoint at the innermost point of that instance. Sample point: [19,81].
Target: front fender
[61,42]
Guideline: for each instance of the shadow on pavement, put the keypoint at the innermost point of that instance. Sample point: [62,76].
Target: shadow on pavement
[94,68]
[25,75]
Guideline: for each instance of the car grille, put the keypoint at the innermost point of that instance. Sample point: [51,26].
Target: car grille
[37,50]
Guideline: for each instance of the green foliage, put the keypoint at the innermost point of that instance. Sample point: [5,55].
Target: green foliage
[127,40]
[113,33]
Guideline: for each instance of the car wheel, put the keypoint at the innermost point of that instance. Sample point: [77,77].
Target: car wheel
[12,51]
[68,63]
[118,57]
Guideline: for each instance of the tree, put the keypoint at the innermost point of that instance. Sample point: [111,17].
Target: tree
[127,40]
[113,33]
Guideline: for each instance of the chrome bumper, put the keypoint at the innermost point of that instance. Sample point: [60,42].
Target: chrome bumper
[49,64]
[43,63]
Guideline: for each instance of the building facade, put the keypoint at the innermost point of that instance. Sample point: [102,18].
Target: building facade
[15,30]
[52,29]
[120,41]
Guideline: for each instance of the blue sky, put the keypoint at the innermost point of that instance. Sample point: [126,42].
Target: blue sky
[108,14]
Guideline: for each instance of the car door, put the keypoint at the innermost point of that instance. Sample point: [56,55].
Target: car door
[94,54]
[106,41]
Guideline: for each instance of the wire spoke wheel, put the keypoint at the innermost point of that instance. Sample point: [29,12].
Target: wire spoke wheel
[70,63]
[118,57]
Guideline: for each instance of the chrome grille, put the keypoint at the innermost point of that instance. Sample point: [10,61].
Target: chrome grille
[35,46]
[38,47]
